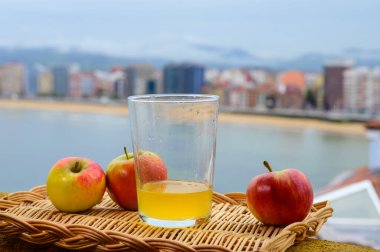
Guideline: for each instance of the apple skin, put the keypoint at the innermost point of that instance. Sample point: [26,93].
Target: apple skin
[121,176]
[71,191]
[280,198]
[150,167]
[121,182]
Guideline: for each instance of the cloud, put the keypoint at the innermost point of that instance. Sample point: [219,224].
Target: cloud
[167,45]
[362,52]
[235,53]
[208,48]
[238,53]
[86,44]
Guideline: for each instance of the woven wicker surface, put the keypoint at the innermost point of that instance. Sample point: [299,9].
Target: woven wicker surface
[30,216]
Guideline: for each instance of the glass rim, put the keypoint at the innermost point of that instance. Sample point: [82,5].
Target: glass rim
[173,98]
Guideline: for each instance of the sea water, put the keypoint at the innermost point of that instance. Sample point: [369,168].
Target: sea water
[31,141]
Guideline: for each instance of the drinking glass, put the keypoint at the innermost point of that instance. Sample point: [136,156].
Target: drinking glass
[174,141]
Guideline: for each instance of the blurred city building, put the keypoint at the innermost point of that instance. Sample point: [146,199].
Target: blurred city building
[292,80]
[118,79]
[333,88]
[291,85]
[141,79]
[341,92]
[31,84]
[83,84]
[214,86]
[102,83]
[264,96]
[315,91]
[362,90]
[12,80]
[183,78]
[45,85]
[257,89]
[75,85]
[60,81]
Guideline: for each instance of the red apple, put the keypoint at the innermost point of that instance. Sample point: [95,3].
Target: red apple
[121,181]
[280,198]
[151,167]
[75,184]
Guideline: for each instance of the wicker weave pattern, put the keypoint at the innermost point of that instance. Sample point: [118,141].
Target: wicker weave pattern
[31,217]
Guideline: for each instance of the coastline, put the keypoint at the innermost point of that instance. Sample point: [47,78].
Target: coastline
[350,128]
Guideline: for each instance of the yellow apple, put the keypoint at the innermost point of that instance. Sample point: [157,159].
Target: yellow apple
[75,184]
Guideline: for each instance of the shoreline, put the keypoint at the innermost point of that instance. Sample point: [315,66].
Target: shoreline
[349,128]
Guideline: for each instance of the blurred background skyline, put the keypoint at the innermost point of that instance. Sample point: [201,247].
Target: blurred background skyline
[321,56]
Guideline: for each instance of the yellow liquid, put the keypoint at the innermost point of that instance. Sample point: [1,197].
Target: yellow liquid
[175,200]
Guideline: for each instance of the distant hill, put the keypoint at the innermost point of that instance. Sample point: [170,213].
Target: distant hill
[53,57]
[316,61]
[231,58]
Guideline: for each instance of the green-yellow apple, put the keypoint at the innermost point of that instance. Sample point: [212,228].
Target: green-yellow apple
[75,184]
[121,181]
[280,198]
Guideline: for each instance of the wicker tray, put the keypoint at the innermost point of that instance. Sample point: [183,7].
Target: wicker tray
[30,216]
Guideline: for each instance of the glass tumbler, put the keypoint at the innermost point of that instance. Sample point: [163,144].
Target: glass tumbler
[174,141]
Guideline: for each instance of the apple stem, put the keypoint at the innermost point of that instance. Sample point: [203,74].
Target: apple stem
[126,152]
[267,165]
[76,168]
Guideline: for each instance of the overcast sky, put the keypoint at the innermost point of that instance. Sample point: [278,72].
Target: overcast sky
[181,29]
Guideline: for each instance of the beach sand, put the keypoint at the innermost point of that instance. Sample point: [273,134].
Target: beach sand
[121,109]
